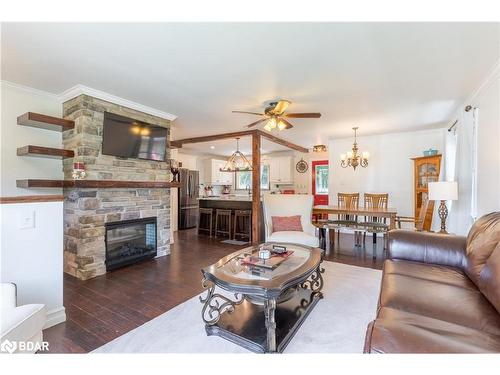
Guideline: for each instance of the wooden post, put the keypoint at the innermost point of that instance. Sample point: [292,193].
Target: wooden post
[256,214]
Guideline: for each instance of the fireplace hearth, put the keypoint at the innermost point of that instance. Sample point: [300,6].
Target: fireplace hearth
[130,241]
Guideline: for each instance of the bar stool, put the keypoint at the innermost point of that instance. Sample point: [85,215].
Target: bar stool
[244,218]
[223,222]
[205,213]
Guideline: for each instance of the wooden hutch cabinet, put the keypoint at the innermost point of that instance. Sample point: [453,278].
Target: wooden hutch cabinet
[425,169]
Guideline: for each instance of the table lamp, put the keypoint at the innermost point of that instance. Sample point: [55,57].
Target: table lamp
[443,191]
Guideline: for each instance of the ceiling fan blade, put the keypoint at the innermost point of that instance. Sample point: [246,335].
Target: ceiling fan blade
[251,113]
[256,122]
[303,115]
[288,125]
[281,107]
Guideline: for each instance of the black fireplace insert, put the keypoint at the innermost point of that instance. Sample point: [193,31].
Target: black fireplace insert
[130,241]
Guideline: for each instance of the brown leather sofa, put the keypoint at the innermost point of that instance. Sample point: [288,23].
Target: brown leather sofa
[440,293]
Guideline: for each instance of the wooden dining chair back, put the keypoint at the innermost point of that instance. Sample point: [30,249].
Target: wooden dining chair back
[417,221]
[376,201]
[348,200]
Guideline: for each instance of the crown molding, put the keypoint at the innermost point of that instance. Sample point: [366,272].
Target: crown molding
[29,89]
[84,90]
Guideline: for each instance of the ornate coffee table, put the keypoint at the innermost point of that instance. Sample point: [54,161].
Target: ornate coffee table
[264,309]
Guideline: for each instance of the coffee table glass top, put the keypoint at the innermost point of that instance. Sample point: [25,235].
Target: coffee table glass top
[232,269]
[235,266]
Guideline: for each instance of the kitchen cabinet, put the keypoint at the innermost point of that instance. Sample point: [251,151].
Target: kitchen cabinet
[213,174]
[280,169]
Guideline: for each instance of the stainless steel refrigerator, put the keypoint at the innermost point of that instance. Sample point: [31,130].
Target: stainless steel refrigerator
[188,198]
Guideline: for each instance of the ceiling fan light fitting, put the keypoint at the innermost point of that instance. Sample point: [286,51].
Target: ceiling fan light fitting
[281,125]
[319,148]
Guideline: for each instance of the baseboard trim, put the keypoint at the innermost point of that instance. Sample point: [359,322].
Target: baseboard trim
[55,317]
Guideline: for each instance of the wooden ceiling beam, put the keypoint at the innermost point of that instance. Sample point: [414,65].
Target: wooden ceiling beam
[282,142]
[209,138]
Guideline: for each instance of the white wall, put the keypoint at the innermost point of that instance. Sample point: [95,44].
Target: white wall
[31,258]
[487,99]
[488,146]
[390,168]
[15,101]
[303,181]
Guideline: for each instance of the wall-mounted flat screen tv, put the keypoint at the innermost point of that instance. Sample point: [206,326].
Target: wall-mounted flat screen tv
[128,138]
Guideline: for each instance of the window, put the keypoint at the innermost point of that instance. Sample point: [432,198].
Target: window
[244,179]
[321,180]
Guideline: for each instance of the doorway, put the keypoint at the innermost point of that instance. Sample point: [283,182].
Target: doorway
[320,174]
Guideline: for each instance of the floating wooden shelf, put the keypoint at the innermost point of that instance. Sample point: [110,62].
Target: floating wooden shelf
[38,120]
[45,152]
[102,184]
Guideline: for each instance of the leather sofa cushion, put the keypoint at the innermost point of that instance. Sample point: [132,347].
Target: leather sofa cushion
[397,331]
[489,280]
[427,247]
[439,299]
[431,272]
[482,242]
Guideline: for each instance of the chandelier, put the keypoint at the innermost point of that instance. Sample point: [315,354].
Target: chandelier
[352,159]
[237,162]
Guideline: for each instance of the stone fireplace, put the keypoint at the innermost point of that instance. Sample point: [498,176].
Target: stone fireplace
[87,211]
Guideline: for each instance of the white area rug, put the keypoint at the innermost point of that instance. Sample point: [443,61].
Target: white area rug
[337,324]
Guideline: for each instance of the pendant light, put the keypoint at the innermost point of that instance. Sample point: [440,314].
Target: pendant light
[354,158]
[237,162]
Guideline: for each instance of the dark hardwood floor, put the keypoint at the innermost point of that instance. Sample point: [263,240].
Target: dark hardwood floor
[103,308]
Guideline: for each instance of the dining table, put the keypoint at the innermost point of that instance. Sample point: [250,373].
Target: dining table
[389,212]
[381,212]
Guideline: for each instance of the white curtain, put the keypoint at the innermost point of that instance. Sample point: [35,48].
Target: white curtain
[464,171]
[475,125]
[450,169]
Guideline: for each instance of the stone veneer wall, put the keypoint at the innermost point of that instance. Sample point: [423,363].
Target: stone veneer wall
[87,210]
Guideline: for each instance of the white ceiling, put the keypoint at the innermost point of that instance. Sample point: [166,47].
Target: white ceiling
[382,77]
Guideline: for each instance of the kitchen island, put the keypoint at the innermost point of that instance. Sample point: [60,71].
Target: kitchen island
[230,202]
[233,202]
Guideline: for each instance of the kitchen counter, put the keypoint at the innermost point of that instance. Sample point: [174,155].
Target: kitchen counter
[235,198]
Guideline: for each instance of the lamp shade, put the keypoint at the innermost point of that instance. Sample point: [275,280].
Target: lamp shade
[443,191]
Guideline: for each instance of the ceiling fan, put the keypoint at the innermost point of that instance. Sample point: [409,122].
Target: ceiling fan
[275,116]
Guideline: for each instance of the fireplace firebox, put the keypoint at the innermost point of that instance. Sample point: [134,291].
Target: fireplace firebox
[130,241]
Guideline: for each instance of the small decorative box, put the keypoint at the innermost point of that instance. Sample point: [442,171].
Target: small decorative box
[278,249]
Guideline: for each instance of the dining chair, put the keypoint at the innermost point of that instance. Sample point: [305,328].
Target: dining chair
[418,221]
[348,201]
[374,224]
